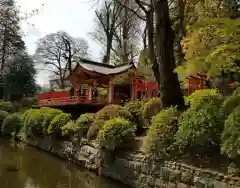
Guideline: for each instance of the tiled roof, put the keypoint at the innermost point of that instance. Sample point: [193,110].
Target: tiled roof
[103,68]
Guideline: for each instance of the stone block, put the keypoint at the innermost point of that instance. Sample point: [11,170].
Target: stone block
[165,173]
[182,185]
[145,168]
[200,182]
[135,166]
[155,170]
[159,183]
[120,162]
[171,185]
[218,184]
[175,176]
[187,178]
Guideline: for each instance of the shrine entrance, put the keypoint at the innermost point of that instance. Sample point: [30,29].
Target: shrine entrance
[122,92]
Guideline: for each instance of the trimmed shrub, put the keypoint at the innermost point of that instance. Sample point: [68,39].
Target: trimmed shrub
[6,106]
[230,103]
[231,135]
[58,121]
[3,115]
[161,133]
[150,109]
[83,123]
[200,129]
[136,108]
[11,124]
[107,113]
[116,134]
[48,115]
[33,122]
[69,129]
[199,97]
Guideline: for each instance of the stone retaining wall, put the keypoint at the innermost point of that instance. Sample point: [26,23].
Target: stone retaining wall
[134,170]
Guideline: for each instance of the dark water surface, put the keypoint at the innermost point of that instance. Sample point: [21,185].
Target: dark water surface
[22,166]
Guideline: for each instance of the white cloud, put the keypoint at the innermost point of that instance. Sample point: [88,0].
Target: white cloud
[72,16]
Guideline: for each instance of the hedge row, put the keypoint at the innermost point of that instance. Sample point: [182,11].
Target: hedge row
[210,125]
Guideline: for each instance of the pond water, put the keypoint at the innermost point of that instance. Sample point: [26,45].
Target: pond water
[22,166]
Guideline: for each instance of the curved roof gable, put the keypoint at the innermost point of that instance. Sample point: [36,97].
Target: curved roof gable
[103,68]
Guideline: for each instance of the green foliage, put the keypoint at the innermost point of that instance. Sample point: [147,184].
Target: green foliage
[231,134]
[116,134]
[136,108]
[20,79]
[6,106]
[58,121]
[200,129]
[33,119]
[11,124]
[161,132]
[211,96]
[69,129]
[107,113]
[83,123]
[3,115]
[48,115]
[150,109]
[231,102]
[211,48]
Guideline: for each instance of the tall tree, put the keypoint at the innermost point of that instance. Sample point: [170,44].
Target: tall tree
[106,23]
[119,30]
[56,51]
[20,77]
[161,50]
[10,41]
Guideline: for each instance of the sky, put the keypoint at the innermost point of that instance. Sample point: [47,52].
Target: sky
[73,16]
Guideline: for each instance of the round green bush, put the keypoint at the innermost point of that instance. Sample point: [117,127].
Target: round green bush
[231,135]
[33,122]
[200,129]
[199,97]
[107,113]
[230,103]
[161,132]
[116,134]
[150,109]
[58,121]
[83,123]
[3,115]
[136,108]
[6,106]
[69,129]
[11,124]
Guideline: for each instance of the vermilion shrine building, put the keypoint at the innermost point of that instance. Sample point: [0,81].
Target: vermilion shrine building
[89,79]
[121,83]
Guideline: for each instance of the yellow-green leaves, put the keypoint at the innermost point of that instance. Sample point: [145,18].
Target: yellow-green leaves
[211,48]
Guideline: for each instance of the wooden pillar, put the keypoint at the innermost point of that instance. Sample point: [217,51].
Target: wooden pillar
[90,93]
[110,92]
[75,93]
[133,88]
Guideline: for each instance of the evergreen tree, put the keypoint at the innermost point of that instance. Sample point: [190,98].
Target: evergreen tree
[20,77]
[11,42]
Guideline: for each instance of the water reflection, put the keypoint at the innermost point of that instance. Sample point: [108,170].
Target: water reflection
[25,167]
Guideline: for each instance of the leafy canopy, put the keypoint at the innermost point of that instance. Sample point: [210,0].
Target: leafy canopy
[211,48]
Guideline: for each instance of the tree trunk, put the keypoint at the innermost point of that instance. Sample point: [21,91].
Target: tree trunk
[4,47]
[170,91]
[109,47]
[152,55]
[125,34]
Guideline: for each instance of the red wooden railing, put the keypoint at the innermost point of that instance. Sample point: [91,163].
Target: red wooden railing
[71,100]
